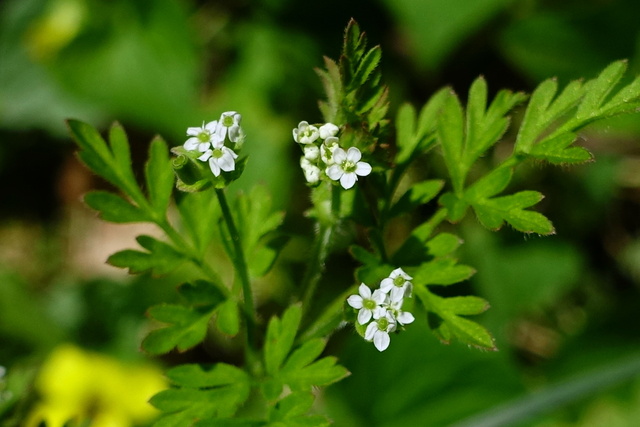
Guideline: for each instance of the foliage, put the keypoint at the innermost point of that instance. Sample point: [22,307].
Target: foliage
[283,361]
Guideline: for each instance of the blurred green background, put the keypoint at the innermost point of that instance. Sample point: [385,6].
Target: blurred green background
[564,308]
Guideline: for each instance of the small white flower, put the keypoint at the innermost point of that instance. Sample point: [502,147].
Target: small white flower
[202,137]
[229,124]
[378,331]
[311,152]
[347,167]
[327,148]
[311,172]
[220,158]
[398,283]
[327,130]
[366,302]
[305,133]
[395,308]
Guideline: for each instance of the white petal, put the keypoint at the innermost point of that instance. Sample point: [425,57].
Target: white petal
[370,331]
[355,301]
[364,291]
[207,154]
[311,152]
[194,131]
[347,180]
[363,168]
[354,155]
[334,172]
[211,126]
[404,318]
[213,165]
[397,294]
[364,316]
[386,285]
[226,163]
[191,143]
[400,272]
[234,133]
[312,174]
[381,340]
[339,155]
[379,312]
[327,130]
[379,296]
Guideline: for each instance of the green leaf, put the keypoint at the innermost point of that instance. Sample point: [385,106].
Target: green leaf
[293,405]
[161,257]
[366,66]
[597,90]
[470,332]
[418,194]
[444,318]
[114,208]
[465,305]
[112,162]
[159,176]
[443,244]
[492,212]
[451,137]
[489,185]
[193,208]
[187,328]
[197,376]
[305,354]
[228,320]
[442,271]
[318,374]
[202,292]
[185,406]
[556,150]
[280,337]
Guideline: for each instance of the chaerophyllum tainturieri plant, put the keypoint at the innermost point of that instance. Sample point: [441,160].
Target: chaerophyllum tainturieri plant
[363,171]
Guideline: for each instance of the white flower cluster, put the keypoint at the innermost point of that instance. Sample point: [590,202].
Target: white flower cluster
[322,153]
[384,306]
[210,141]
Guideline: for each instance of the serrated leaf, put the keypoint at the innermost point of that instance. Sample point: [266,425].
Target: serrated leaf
[280,337]
[492,212]
[159,176]
[554,150]
[193,208]
[161,257]
[451,136]
[187,328]
[114,208]
[442,271]
[470,332]
[183,407]
[366,66]
[465,305]
[598,89]
[489,185]
[318,374]
[443,244]
[202,292]
[305,354]
[293,405]
[197,376]
[456,207]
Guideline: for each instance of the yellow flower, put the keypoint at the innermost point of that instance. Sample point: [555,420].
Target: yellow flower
[80,386]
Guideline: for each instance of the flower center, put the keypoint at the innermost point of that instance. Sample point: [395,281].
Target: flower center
[399,281]
[204,136]
[348,166]
[217,153]
[383,323]
[227,121]
[369,304]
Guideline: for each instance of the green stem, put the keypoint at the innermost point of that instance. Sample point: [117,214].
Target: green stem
[320,252]
[240,266]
